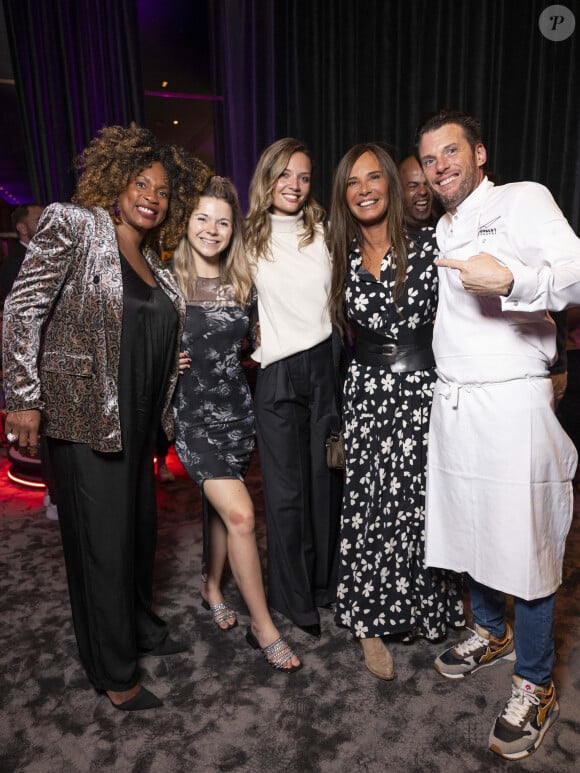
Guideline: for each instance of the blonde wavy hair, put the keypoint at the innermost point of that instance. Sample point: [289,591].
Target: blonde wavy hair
[257,226]
[117,154]
[234,266]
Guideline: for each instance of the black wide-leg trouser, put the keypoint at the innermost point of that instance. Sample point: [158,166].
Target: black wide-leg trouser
[108,521]
[296,410]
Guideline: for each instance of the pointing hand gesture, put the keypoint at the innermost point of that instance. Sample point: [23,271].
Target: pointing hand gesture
[481,274]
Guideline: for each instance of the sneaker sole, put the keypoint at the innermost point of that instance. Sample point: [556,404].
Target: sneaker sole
[554,714]
[510,656]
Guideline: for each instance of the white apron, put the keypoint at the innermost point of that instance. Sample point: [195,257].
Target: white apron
[499,496]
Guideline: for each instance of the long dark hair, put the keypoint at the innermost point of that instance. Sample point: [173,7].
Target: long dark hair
[344,227]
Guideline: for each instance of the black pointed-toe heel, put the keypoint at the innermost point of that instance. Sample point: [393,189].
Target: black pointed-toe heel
[168,647]
[141,702]
[276,654]
[312,630]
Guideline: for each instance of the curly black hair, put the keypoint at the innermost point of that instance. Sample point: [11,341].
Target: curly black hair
[117,154]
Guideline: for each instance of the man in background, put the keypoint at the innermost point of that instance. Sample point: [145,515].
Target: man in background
[25,222]
[420,208]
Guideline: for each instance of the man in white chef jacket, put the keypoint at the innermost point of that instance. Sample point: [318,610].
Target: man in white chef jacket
[499,491]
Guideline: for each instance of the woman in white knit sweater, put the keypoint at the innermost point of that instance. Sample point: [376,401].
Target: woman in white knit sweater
[295,393]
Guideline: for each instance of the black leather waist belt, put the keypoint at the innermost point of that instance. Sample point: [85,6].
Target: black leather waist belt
[412,351]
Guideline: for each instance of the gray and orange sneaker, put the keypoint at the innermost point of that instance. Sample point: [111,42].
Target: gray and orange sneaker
[479,651]
[524,720]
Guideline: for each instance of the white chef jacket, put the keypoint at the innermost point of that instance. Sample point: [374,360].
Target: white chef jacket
[499,496]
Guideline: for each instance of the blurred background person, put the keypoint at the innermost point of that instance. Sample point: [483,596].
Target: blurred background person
[568,406]
[25,222]
[420,207]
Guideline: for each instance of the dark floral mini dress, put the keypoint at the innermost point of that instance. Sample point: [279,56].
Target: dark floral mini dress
[384,587]
[214,417]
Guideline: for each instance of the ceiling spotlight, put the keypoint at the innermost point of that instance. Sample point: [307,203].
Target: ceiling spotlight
[164,84]
[176,122]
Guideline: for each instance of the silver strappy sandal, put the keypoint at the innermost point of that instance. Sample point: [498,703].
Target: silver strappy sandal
[221,614]
[276,654]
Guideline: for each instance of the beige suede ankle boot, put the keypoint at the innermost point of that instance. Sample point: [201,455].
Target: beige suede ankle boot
[378,659]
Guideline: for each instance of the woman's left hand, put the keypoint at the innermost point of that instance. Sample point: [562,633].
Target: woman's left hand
[184,362]
[22,428]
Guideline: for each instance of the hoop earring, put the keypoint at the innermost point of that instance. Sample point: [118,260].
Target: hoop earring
[116,213]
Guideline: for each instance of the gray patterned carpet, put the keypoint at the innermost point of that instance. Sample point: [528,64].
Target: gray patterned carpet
[225,709]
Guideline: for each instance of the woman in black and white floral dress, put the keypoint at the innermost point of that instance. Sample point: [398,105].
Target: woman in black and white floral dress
[214,419]
[387,290]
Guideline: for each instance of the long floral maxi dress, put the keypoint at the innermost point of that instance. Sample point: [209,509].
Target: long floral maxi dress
[384,587]
[213,407]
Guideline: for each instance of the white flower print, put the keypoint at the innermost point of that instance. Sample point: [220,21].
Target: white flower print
[394,486]
[417,416]
[357,521]
[413,321]
[371,385]
[390,546]
[361,303]
[344,547]
[365,431]
[402,585]
[412,294]
[387,446]
[387,382]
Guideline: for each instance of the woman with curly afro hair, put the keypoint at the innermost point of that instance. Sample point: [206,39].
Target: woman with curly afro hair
[91,335]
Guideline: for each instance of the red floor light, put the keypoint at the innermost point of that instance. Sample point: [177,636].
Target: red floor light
[24,481]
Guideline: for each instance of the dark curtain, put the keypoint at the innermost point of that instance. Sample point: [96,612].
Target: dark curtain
[347,72]
[243,41]
[77,68]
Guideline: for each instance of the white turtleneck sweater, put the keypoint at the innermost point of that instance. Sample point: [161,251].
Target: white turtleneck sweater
[293,286]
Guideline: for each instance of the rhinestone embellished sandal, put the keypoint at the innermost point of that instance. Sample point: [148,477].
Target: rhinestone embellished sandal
[221,614]
[276,654]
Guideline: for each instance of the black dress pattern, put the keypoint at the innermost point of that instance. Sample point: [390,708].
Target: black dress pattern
[384,587]
[214,417]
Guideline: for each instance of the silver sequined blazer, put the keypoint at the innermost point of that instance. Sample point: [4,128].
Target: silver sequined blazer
[62,328]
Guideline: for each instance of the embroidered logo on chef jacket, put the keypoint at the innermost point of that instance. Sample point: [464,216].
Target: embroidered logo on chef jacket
[487,237]
[487,229]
